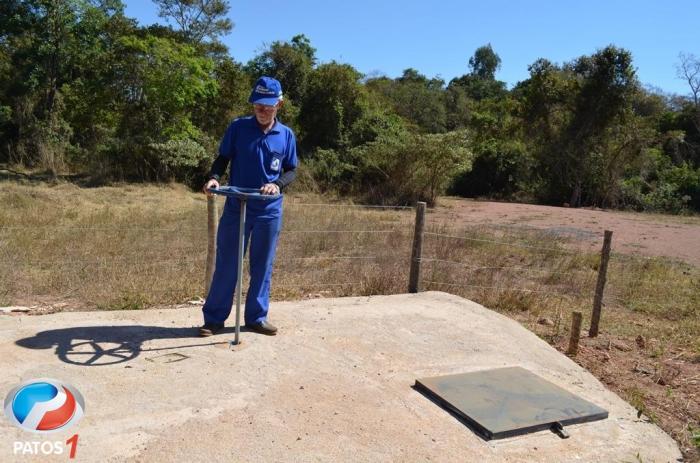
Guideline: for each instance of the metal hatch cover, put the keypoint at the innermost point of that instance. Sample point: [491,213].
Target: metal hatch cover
[507,402]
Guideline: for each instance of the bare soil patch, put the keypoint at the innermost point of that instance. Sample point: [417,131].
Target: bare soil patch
[661,382]
[654,235]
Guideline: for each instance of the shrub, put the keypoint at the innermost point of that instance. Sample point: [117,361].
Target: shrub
[410,169]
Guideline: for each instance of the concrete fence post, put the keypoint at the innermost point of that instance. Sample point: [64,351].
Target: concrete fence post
[600,285]
[212,225]
[417,251]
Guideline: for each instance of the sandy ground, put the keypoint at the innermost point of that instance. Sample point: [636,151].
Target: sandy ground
[334,385]
[654,235]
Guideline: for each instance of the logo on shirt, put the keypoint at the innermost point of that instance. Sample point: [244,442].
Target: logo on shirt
[275,164]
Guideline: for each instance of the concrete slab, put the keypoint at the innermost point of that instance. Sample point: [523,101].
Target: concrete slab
[335,385]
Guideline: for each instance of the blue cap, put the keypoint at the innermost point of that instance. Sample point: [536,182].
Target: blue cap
[266,91]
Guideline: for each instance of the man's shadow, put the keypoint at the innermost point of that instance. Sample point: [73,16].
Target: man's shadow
[109,345]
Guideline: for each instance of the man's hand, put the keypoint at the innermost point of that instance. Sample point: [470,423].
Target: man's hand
[270,189]
[212,183]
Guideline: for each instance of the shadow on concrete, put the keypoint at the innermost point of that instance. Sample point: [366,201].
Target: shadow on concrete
[108,345]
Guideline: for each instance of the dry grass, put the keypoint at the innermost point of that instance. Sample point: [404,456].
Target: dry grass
[534,273]
[130,247]
[135,246]
[112,248]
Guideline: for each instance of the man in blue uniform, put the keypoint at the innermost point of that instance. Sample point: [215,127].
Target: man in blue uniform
[262,153]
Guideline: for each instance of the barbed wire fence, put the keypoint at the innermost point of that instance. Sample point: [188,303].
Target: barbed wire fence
[325,250]
[134,266]
[510,275]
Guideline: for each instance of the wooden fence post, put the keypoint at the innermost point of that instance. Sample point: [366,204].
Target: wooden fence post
[600,285]
[575,333]
[212,225]
[417,251]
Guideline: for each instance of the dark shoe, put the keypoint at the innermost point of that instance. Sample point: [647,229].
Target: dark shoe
[263,327]
[210,328]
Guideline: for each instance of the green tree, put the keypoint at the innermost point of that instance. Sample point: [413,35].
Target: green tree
[215,110]
[577,118]
[159,83]
[303,44]
[51,48]
[419,100]
[39,35]
[197,19]
[289,62]
[485,63]
[480,83]
[403,170]
[689,70]
[501,163]
[89,97]
[458,107]
[335,101]
[608,82]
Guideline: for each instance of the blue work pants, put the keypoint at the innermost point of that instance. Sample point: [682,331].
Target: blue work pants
[262,231]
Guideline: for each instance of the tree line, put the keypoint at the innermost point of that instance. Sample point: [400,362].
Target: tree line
[84,88]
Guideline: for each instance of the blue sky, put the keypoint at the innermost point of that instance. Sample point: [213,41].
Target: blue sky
[437,39]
